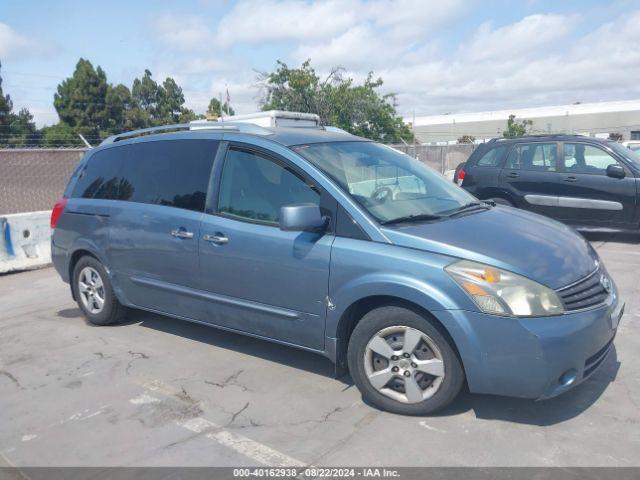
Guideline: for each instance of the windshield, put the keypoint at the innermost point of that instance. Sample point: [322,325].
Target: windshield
[387,183]
[631,156]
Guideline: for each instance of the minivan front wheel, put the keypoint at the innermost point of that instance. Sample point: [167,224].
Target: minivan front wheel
[94,293]
[402,363]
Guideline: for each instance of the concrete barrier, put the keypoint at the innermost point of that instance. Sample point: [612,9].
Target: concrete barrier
[25,241]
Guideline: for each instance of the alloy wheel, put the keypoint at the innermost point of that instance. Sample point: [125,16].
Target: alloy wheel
[91,290]
[404,364]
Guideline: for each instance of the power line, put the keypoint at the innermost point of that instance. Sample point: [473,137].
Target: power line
[28,74]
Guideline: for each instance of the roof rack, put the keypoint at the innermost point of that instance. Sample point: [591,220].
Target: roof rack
[536,135]
[194,125]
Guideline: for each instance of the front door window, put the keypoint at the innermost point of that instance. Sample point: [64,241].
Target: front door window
[582,158]
[254,188]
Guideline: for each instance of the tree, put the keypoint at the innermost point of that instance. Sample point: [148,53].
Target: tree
[466,139]
[170,101]
[86,103]
[23,129]
[516,129]
[81,100]
[16,129]
[214,110]
[59,135]
[118,105]
[159,104]
[145,93]
[616,136]
[336,99]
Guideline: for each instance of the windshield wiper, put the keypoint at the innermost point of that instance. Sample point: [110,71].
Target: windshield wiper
[412,218]
[470,207]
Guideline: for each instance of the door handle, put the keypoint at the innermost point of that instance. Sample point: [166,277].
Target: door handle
[513,175]
[570,179]
[181,233]
[217,239]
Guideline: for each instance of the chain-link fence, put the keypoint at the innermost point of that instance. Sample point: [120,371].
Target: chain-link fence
[33,179]
[440,158]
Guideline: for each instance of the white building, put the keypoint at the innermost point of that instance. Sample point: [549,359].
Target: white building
[594,119]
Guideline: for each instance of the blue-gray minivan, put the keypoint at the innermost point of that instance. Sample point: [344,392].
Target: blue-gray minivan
[329,242]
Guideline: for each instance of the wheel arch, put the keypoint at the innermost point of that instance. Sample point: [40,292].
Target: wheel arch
[83,250]
[359,308]
[496,192]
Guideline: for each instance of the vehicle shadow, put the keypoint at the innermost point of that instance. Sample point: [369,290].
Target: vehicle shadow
[542,413]
[290,356]
[486,407]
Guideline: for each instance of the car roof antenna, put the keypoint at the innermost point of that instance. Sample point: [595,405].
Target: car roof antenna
[85,141]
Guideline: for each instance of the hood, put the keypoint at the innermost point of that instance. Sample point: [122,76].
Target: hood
[523,242]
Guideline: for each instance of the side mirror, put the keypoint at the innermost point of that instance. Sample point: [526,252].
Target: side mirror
[302,217]
[615,171]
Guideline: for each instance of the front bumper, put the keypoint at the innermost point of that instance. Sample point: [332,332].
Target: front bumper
[534,358]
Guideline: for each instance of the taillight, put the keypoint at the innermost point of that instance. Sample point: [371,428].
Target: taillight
[461,175]
[58,208]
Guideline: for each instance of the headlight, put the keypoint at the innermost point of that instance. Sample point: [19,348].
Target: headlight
[504,293]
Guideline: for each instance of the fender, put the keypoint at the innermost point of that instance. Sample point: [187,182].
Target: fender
[92,247]
[493,192]
[390,285]
[402,287]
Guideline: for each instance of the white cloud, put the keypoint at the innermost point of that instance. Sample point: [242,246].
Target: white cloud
[520,65]
[13,44]
[353,49]
[254,22]
[413,18]
[204,65]
[183,32]
[520,38]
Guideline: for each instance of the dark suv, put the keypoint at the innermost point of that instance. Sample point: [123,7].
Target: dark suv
[588,183]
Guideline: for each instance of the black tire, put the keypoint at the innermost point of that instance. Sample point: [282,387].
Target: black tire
[112,311]
[391,316]
[502,201]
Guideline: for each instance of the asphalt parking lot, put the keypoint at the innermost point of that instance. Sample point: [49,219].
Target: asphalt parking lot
[158,391]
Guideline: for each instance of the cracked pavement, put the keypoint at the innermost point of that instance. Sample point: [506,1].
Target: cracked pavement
[159,391]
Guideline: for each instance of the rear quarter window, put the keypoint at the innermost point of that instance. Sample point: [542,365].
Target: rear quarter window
[99,177]
[492,158]
[174,173]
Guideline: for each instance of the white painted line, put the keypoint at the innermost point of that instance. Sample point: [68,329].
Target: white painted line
[144,399]
[429,427]
[241,444]
[250,448]
[4,460]
[83,415]
[26,438]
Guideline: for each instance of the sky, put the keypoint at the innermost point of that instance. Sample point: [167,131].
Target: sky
[444,56]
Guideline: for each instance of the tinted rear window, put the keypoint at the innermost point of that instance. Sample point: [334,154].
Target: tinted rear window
[174,173]
[99,178]
[492,158]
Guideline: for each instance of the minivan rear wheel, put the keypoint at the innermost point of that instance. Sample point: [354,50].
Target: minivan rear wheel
[94,293]
[402,363]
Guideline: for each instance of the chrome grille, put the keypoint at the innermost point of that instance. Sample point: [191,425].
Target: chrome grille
[586,293]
